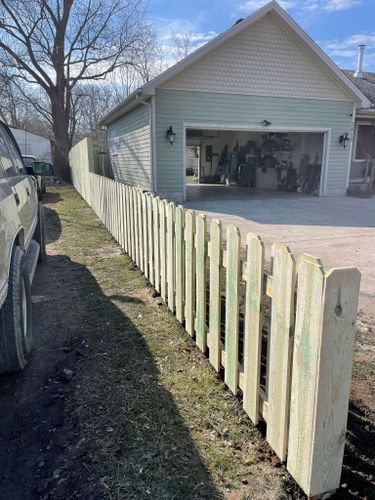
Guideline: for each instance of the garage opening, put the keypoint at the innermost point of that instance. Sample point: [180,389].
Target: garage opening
[258,160]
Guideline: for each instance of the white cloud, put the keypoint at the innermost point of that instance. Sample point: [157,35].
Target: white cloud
[345,52]
[251,5]
[306,5]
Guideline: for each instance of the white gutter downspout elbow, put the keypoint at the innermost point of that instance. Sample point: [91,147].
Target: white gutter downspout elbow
[151,107]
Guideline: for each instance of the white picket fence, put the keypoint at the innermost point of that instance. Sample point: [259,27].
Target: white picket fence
[296,375]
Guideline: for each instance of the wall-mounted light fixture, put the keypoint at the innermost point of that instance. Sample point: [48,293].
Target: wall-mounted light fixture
[171,136]
[266,123]
[344,138]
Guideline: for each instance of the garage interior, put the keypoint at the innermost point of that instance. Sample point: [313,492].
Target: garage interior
[258,160]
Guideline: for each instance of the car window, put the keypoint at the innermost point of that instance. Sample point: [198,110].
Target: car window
[42,168]
[15,154]
[6,158]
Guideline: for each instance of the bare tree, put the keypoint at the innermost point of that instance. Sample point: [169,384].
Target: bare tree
[183,44]
[55,45]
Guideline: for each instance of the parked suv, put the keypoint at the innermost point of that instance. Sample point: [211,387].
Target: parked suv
[22,243]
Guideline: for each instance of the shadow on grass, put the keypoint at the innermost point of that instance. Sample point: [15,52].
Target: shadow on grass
[141,440]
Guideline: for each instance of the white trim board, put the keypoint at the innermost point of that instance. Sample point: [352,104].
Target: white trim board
[256,128]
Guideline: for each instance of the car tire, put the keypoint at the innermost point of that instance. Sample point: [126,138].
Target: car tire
[16,339]
[40,233]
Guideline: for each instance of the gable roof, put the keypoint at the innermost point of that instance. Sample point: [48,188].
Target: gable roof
[366,84]
[273,7]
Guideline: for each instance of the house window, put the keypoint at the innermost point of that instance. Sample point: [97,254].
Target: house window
[365,147]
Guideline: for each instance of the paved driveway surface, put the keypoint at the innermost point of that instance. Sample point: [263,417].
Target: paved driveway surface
[340,231]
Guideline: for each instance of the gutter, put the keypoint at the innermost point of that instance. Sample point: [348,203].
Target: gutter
[121,108]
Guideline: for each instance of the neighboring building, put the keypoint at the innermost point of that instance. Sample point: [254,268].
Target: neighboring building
[32,144]
[262,89]
[363,156]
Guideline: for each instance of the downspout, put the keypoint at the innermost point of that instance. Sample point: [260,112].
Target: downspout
[351,149]
[151,108]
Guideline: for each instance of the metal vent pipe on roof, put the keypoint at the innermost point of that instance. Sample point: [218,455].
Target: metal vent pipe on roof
[359,71]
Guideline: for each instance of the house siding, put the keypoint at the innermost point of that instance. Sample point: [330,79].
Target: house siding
[175,108]
[129,148]
[263,59]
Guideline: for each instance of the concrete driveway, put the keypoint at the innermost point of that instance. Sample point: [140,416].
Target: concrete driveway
[339,231]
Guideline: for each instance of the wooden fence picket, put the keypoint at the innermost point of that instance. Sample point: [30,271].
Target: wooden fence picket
[189,271]
[179,263]
[170,207]
[133,227]
[215,296]
[150,239]
[145,235]
[232,308]
[280,348]
[253,273]
[201,280]
[125,218]
[162,243]
[156,222]
[322,364]
[141,231]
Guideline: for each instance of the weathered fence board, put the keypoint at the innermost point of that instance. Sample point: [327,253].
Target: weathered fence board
[200,278]
[150,232]
[163,253]
[179,252]
[155,206]
[189,271]
[170,256]
[253,277]
[232,308]
[322,364]
[311,326]
[281,335]
[215,296]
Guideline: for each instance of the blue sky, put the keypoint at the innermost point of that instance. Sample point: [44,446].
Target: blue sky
[336,25]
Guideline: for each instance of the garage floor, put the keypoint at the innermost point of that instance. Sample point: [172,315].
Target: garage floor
[340,231]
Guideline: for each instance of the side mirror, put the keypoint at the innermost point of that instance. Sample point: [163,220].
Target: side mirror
[29,170]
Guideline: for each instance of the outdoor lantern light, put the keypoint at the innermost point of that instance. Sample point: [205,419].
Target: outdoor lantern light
[266,123]
[171,136]
[344,138]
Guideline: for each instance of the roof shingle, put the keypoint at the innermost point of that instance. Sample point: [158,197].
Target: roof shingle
[366,84]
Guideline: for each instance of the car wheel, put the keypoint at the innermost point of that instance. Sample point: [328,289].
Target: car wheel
[16,339]
[40,233]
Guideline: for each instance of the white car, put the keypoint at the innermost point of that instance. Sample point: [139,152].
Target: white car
[22,243]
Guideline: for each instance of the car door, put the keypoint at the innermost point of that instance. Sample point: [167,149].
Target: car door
[8,230]
[21,184]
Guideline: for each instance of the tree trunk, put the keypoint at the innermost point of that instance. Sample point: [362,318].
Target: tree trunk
[61,144]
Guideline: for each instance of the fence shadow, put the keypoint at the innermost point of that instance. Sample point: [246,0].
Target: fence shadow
[131,427]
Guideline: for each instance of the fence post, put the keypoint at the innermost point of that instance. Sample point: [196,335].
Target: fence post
[322,364]
[179,250]
[253,276]
[280,348]
[201,280]
[215,295]
[232,308]
[189,271]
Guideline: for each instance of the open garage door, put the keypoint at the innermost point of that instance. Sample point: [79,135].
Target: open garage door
[259,160]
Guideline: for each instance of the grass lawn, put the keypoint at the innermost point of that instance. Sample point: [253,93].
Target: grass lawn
[159,421]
